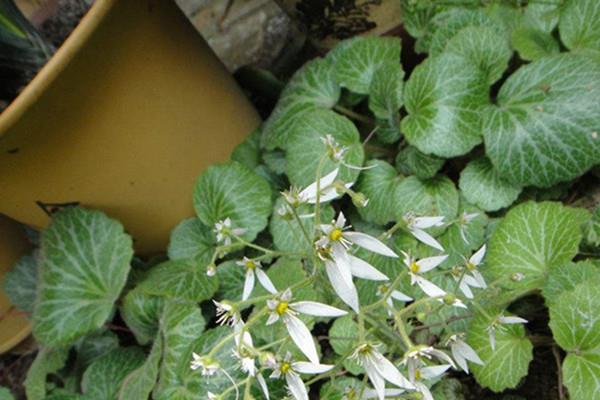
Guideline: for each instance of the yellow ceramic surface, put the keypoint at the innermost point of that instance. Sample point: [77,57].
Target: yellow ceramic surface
[123,118]
[14,327]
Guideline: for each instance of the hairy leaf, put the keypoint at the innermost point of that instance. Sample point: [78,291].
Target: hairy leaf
[579,24]
[192,240]
[411,161]
[377,183]
[581,374]
[21,282]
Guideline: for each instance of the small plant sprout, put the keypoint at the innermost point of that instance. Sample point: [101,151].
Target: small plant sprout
[417,267]
[225,232]
[462,352]
[253,271]
[291,371]
[379,369]
[416,226]
[496,325]
[281,307]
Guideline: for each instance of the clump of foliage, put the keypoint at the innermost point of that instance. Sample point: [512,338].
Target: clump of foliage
[376,238]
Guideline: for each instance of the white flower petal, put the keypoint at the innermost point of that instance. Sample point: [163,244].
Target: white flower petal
[286,295]
[467,352]
[346,292]
[434,371]
[512,320]
[464,287]
[304,367]
[342,260]
[429,263]
[248,284]
[471,281]
[263,385]
[265,281]
[441,355]
[296,386]
[364,270]
[376,379]
[326,195]
[459,358]
[300,334]
[273,317]
[429,288]
[424,391]
[389,372]
[389,393]
[370,243]
[492,337]
[478,256]
[317,309]
[427,222]
[400,296]
[310,193]
[479,279]
[341,220]
[427,239]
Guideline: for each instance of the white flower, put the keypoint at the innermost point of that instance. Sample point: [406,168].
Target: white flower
[379,369]
[496,325]
[414,360]
[372,394]
[472,265]
[428,373]
[464,220]
[300,334]
[246,355]
[415,225]
[254,270]
[340,265]
[383,290]
[226,314]
[225,232]
[292,370]
[416,268]
[462,352]
[336,152]
[209,366]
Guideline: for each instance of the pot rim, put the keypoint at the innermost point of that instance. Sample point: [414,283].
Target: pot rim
[55,65]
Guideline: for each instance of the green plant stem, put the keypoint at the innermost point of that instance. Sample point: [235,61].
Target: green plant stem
[353,115]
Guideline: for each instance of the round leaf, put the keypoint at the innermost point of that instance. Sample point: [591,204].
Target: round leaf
[192,240]
[444,98]
[565,277]
[385,98]
[545,127]
[579,24]
[377,183]
[21,282]
[233,191]
[85,262]
[581,374]
[481,185]
[410,161]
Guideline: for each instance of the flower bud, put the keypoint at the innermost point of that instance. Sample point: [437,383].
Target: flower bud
[449,299]
[517,277]
[359,200]
[421,316]
[211,270]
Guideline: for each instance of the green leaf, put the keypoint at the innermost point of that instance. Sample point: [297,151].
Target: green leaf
[85,262]
[231,281]
[580,374]
[484,48]
[103,378]
[505,366]
[377,183]
[192,240]
[180,280]
[306,147]
[343,335]
[592,228]
[448,389]
[138,384]
[574,318]
[388,130]
[565,277]
[410,161]
[579,24]
[141,313]
[533,44]
[5,394]
[233,191]
[541,16]
[47,361]
[340,389]
[385,97]
[357,59]
[313,86]
[181,325]
[276,161]
[95,345]
[481,185]
[286,232]
[444,97]
[531,239]
[545,126]
[21,282]
[457,21]
[431,197]
[248,152]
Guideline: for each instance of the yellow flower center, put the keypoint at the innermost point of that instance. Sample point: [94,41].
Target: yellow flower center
[282,307]
[471,266]
[414,267]
[335,234]
[418,375]
[285,367]
[250,264]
